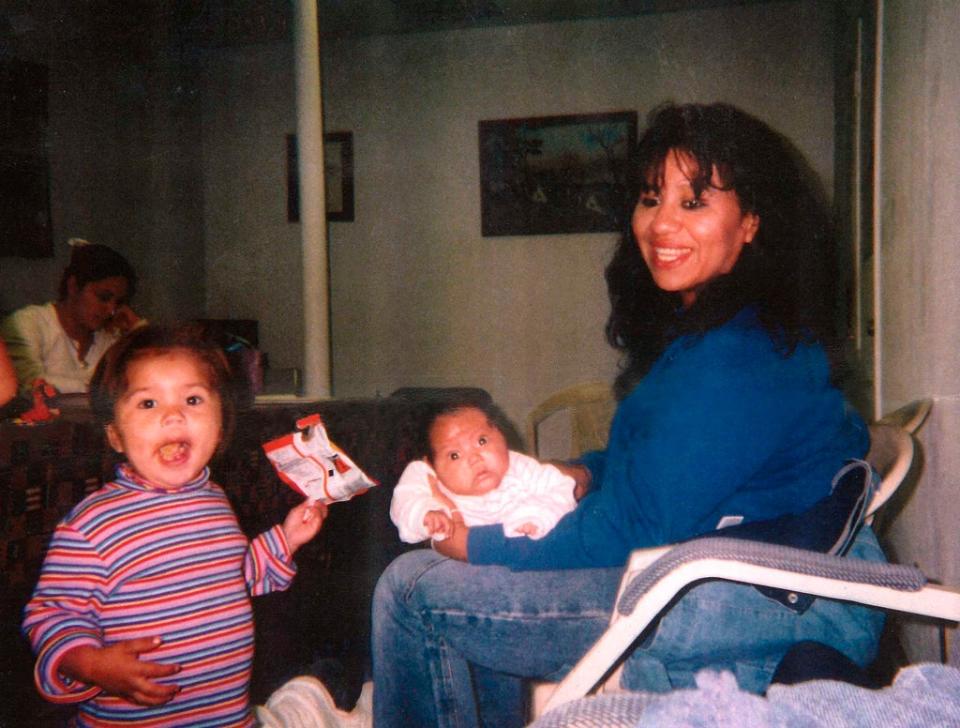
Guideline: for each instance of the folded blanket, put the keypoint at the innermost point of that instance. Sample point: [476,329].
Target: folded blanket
[921,695]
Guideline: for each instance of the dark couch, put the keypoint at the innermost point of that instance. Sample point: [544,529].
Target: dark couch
[322,624]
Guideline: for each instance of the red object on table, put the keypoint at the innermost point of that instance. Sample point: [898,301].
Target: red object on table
[41,411]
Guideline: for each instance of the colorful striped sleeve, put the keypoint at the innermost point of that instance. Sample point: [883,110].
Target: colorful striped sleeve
[269,565]
[63,612]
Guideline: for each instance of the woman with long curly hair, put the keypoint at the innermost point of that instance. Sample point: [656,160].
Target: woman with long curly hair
[722,296]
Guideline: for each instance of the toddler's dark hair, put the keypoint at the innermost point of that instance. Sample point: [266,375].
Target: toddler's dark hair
[110,381]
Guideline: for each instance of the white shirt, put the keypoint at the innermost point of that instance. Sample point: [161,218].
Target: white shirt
[39,347]
[530,492]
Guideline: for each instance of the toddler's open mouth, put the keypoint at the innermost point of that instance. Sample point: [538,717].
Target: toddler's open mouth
[173,451]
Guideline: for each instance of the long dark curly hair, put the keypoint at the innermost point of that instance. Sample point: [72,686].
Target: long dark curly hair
[788,273]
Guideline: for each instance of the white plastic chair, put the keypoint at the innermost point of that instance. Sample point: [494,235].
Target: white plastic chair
[590,406]
[891,454]
[892,449]
[654,578]
[909,417]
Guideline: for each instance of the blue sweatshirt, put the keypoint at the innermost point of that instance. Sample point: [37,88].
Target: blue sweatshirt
[722,425]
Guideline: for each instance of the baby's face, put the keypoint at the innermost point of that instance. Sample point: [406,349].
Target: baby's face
[470,455]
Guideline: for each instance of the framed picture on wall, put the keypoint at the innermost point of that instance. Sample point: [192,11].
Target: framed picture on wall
[338,176]
[25,223]
[555,174]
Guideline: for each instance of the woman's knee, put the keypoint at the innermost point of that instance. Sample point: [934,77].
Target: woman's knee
[401,577]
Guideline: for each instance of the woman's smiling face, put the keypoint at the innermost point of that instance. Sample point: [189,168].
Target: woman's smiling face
[688,239]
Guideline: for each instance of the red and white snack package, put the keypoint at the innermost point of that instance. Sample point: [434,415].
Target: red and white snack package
[311,464]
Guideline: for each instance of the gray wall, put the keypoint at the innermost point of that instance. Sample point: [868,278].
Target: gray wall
[920,273]
[124,171]
[419,297]
[253,256]
[183,168]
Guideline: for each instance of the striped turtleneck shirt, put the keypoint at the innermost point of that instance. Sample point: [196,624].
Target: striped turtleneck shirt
[132,560]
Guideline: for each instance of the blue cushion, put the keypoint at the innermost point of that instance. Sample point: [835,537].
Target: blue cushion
[828,527]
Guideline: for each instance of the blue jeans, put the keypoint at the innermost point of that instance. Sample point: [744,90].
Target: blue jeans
[452,642]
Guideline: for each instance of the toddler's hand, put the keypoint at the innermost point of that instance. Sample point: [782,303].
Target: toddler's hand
[437,524]
[118,670]
[303,522]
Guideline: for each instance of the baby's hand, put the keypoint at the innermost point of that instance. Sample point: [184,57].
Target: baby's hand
[528,529]
[439,494]
[119,671]
[437,524]
[303,522]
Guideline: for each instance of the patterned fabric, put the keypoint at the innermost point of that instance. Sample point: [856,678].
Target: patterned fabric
[134,561]
[619,710]
[44,471]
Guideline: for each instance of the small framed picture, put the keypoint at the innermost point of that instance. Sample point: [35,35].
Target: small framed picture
[338,177]
[26,228]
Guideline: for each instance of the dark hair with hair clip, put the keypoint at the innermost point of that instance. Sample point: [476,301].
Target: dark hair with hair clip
[93,262]
[110,379]
[788,273]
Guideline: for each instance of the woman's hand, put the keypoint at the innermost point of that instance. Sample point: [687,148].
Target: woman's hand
[580,474]
[438,523]
[303,522]
[118,670]
[123,320]
[455,545]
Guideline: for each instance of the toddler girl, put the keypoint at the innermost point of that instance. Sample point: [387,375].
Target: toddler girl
[142,612]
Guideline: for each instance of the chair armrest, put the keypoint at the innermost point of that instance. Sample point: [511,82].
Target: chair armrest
[784,564]
[640,559]
[891,455]
[889,586]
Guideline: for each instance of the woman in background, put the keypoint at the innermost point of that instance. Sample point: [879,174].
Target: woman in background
[62,341]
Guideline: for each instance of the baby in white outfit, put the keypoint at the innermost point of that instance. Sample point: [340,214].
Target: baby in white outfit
[471,475]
